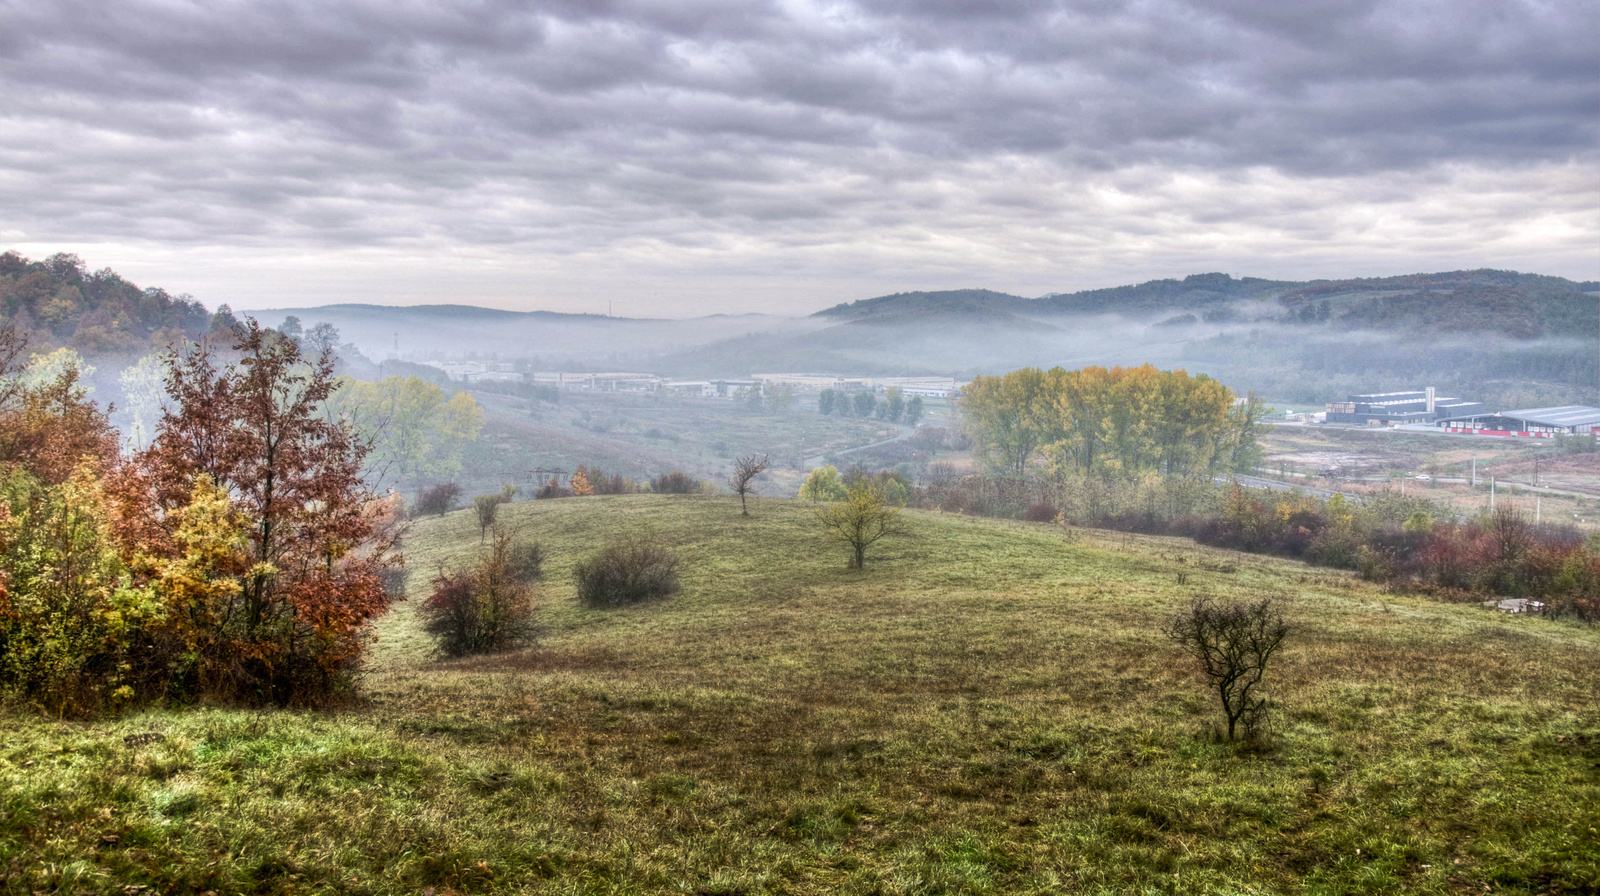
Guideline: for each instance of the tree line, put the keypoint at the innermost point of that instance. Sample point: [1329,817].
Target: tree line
[894,408]
[1116,422]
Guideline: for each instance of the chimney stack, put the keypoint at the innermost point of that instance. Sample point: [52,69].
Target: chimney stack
[1430,399]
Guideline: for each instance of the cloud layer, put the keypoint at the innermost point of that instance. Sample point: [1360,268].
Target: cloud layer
[719,155]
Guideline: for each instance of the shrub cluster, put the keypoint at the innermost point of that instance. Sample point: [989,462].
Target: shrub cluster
[1386,537]
[487,608]
[676,483]
[594,481]
[627,571]
[438,500]
[1041,512]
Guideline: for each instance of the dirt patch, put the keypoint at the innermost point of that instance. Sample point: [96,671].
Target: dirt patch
[1327,460]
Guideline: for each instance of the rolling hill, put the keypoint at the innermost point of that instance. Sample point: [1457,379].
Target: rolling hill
[988,708]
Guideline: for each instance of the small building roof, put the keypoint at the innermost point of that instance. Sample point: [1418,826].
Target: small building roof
[1565,415]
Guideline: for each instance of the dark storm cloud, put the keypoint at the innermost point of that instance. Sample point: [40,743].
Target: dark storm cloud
[567,127]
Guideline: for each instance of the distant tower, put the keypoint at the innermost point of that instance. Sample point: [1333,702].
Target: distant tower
[1430,399]
[397,345]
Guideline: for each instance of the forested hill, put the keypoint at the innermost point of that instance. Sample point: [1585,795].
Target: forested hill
[914,305]
[1504,302]
[57,301]
[1196,292]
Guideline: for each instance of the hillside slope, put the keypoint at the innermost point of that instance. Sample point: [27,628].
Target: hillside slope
[989,707]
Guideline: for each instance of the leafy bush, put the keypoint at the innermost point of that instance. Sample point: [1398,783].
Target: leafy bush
[552,489]
[1041,512]
[627,571]
[487,508]
[675,483]
[438,500]
[485,609]
[525,561]
[823,485]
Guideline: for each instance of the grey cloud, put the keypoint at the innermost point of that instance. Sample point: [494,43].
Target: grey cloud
[569,127]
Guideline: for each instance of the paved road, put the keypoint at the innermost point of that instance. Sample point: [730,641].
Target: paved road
[1258,482]
[905,433]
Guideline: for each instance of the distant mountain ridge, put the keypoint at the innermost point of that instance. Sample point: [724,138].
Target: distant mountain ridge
[1512,303]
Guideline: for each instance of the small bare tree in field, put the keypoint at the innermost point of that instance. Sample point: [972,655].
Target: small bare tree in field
[1233,642]
[746,469]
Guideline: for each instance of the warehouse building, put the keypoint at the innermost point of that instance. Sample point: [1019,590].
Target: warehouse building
[1399,407]
[1566,420]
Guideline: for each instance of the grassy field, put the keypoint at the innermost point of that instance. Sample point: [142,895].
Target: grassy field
[988,707]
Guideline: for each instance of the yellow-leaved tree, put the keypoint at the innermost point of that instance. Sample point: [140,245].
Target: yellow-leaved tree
[417,432]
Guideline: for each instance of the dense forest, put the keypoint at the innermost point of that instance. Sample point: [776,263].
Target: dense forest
[57,302]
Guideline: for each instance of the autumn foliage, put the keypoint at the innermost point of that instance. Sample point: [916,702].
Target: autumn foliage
[240,557]
[1120,422]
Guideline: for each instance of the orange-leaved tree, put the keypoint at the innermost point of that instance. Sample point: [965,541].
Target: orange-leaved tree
[314,545]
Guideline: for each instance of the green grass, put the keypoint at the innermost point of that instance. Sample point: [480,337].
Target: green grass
[988,707]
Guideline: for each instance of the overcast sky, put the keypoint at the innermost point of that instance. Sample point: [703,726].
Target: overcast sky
[683,158]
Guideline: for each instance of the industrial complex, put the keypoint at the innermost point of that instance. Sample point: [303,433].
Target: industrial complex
[1568,420]
[1400,407]
[1462,416]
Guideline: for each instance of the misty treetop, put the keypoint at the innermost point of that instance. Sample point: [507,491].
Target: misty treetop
[1110,422]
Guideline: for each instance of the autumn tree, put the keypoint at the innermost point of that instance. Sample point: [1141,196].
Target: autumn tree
[581,485]
[487,508]
[1113,423]
[62,608]
[48,424]
[861,519]
[1007,417]
[822,484]
[485,608]
[415,430]
[745,470]
[314,533]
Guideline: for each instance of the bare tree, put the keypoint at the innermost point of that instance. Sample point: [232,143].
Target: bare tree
[746,469]
[1233,642]
[863,517]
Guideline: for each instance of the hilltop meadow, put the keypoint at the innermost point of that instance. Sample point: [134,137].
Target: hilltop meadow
[988,707]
